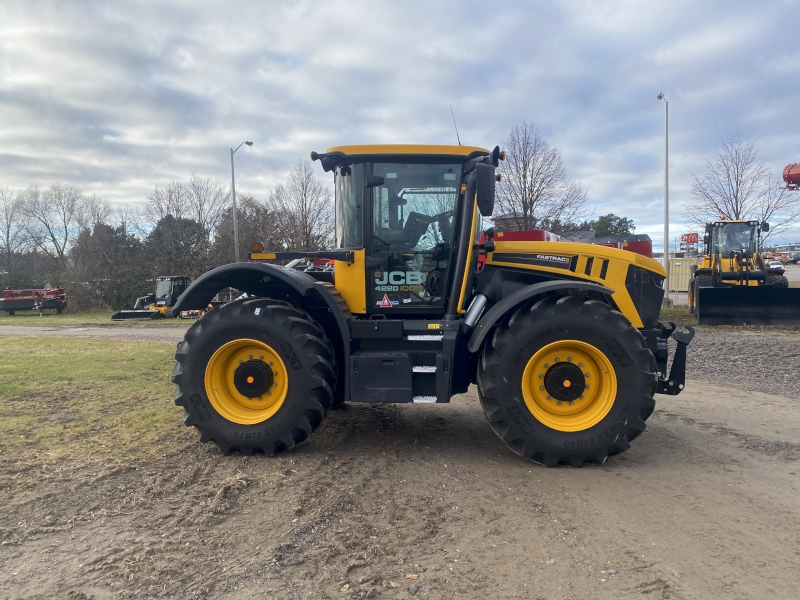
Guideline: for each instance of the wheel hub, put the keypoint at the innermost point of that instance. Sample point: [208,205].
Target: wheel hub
[252,378]
[569,385]
[246,381]
[565,381]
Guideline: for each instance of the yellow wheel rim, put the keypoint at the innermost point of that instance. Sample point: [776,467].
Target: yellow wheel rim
[555,373]
[221,381]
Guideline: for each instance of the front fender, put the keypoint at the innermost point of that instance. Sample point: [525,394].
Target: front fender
[512,302]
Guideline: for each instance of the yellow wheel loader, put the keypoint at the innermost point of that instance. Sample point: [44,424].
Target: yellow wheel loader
[734,285]
[561,339]
[158,304]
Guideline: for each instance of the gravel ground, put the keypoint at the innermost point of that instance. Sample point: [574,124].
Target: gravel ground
[759,360]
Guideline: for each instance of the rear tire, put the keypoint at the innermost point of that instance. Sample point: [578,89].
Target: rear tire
[622,371]
[255,375]
[778,281]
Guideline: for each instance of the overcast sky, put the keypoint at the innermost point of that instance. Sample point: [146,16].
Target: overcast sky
[118,97]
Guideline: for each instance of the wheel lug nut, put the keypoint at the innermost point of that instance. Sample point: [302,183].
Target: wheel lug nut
[547,397]
[546,365]
[571,402]
[581,396]
[250,356]
[269,363]
[274,372]
[569,359]
[260,398]
[587,386]
[275,384]
[269,393]
[241,362]
[261,357]
[541,387]
[541,375]
[586,374]
[558,359]
[580,364]
[559,402]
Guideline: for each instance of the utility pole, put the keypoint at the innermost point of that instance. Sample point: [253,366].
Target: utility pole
[233,193]
[666,189]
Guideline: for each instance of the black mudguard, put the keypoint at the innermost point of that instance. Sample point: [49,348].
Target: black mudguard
[513,301]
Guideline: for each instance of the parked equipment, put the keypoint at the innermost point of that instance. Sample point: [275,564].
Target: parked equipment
[562,339]
[33,299]
[156,305]
[734,285]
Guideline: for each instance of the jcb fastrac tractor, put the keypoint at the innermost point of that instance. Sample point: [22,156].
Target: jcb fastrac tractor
[734,285]
[562,339]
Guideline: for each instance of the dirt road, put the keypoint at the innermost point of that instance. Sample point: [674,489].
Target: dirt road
[395,501]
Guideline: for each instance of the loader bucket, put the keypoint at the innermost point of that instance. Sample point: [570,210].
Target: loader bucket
[748,305]
[136,315]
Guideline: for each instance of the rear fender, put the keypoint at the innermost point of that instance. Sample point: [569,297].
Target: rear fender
[279,283]
[515,300]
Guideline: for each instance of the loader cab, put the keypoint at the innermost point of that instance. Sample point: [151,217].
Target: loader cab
[403,211]
[169,289]
[735,237]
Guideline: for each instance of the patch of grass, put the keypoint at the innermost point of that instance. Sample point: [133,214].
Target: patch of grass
[678,314]
[51,318]
[87,399]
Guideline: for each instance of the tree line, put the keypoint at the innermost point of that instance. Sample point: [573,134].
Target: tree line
[107,258]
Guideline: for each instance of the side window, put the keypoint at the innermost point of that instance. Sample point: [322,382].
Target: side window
[349,200]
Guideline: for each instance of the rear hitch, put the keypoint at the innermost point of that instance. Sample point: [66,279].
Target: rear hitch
[674,384]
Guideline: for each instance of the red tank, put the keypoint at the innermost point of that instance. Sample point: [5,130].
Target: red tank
[791,175]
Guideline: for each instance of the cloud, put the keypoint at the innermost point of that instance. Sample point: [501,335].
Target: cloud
[120,97]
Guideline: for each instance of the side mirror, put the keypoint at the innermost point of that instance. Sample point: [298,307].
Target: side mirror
[706,241]
[484,187]
[373,181]
[765,226]
[708,227]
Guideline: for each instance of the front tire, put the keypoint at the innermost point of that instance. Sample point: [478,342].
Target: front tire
[255,375]
[567,381]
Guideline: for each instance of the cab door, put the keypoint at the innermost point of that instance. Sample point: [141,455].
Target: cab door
[410,251]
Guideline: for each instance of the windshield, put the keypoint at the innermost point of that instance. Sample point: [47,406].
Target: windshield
[735,237]
[163,289]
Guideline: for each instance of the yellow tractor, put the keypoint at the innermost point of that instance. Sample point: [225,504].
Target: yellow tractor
[561,339]
[734,284]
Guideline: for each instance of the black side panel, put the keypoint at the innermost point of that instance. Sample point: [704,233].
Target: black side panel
[381,378]
[647,292]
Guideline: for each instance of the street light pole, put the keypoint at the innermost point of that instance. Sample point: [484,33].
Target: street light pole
[233,193]
[666,189]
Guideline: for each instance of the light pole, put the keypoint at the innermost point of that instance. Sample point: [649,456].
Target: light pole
[666,189]
[233,192]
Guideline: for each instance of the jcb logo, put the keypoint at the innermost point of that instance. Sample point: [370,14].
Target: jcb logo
[399,277]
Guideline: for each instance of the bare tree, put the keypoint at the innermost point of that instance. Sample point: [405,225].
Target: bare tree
[13,240]
[207,200]
[53,218]
[535,188]
[304,210]
[93,210]
[738,186]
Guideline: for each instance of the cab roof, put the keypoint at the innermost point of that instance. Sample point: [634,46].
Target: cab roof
[409,150]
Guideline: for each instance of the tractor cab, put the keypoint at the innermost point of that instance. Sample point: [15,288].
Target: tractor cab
[401,212]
